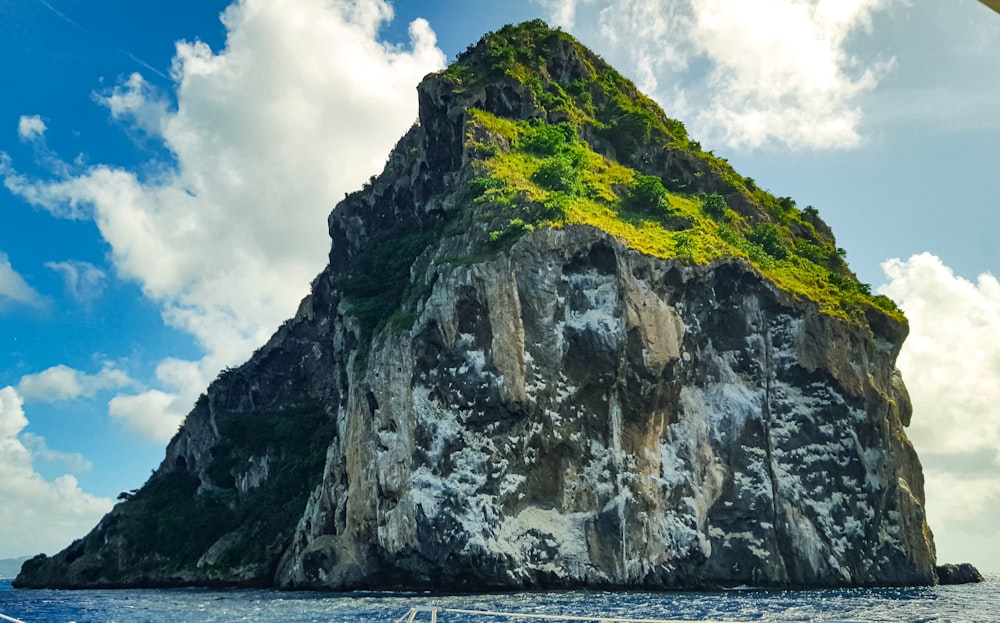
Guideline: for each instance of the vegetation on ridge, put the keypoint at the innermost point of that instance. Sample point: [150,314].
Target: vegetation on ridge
[176,517]
[600,153]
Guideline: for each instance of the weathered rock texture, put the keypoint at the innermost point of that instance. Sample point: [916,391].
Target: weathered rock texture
[563,412]
[576,413]
[962,573]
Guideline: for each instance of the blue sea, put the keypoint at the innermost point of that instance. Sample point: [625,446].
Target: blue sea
[979,603]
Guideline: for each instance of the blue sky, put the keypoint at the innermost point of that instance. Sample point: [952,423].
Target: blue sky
[167,177]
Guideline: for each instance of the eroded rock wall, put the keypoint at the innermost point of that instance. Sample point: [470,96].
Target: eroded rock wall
[574,413]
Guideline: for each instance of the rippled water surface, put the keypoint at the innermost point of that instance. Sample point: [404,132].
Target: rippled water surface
[978,603]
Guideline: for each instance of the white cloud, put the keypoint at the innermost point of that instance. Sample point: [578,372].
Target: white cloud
[951,365]
[12,420]
[781,69]
[651,35]
[302,105]
[84,281]
[952,357]
[64,383]
[30,128]
[744,73]
[13,286]
[138,103]
[562,13]
[37,515]
[40,451]
[154,414]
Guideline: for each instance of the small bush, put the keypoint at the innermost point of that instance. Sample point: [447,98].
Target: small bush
[559,173]
[375,288]
[814,253]
[768,237]
[684,244]
[578,90]
[730,236]
[647,196]
[480,185]
[546,139]
[885,303]
[515,229]
[714,206]
[838,281]
[628,131]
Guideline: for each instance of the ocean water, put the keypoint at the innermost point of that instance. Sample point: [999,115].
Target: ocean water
[974,603]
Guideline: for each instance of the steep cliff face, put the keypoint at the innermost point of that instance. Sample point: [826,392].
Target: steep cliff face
[573,351]
[577,413]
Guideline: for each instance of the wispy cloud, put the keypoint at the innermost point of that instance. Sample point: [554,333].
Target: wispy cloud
[155,415]
[73,462]
[104,40]
[562,13]
[137,104]
[221,240]
[14,288]
[84,281]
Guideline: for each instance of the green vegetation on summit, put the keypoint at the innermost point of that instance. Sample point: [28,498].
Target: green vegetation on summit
[596,151]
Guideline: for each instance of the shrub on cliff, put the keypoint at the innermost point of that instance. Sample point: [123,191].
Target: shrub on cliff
[714,206]
[648,196]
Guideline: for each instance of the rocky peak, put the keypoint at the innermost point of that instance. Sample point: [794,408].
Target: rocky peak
[528,127]
[557,344]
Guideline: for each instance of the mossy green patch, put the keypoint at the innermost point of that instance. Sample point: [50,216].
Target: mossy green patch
[550,177]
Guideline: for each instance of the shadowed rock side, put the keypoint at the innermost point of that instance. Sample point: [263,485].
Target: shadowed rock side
[458,411]
[962,573]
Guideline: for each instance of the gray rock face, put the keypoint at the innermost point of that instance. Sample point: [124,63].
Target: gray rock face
[562,411]
[574,413]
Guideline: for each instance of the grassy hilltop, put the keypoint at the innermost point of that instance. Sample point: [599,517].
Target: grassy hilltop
[599,152]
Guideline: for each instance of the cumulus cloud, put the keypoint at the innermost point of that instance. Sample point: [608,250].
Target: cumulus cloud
[30,128]
[136,103]
[13,287]
[41,452]
[562,13]
[154,414]
[37,515]
[266,135]
[64,383]
[84,281]
[781,69]
[951,364]
[952,357]
[743,73]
